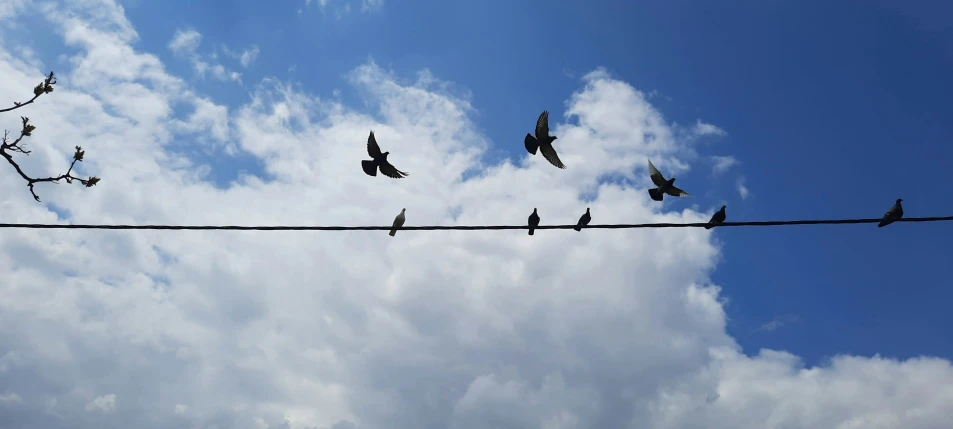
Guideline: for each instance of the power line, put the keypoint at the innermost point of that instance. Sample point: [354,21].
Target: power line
[463,227]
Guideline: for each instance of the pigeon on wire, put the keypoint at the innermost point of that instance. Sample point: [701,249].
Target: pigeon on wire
[895,212]
[664,186]
[543,141]
[533,221]
[717,218]
[380,160]
[583,220]
[398,222]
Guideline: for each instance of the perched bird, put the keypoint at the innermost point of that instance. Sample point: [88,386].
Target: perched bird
[895,212]
[533,221]
[380,160]
[664,186]
[583,220]
[718,217]
[398,222]
[543,141]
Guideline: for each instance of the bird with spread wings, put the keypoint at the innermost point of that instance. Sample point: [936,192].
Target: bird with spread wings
[379,161]
[543,141]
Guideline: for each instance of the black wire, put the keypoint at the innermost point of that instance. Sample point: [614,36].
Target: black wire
[465,227]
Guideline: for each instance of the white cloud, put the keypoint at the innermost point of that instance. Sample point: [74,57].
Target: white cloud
[105,404]
[245,57]
[185,43]
[10,398]
[704,129]
[343,7]
[429,329]
[722,164]
[371,5]
[778,322]
[742,189]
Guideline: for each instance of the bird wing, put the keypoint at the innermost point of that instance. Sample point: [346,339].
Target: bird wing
[895,211]
[399,220]
[656,175]
[534,219]
[389,171]
[584,220]
[675,192]
[542,125]
[372,148]
[718,217]
[549,152]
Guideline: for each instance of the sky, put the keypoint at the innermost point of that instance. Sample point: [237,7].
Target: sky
[257,113]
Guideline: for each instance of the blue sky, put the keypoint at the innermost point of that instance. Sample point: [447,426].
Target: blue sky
[833,109]
[830,110]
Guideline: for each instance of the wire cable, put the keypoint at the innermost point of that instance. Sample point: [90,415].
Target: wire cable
[463,227]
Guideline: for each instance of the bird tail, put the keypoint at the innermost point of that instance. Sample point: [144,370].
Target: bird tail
[369,168]
[577,228]
[531,231]
[883,223]
[708,226]
[655,194]
[393,232]
[531,144]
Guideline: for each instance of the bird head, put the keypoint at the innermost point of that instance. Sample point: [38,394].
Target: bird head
[587,209]
[671,181]
[723,208]
[534,209]
[385,154]
[899,199]
[403,210]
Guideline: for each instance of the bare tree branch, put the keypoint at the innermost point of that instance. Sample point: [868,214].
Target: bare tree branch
[44,87]
[8,147]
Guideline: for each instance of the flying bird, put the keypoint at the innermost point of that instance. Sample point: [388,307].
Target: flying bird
[380,160]
[664,186]
[543,141]
[895,212]
[583,220]
[398,222]
[716,218]
[533,221]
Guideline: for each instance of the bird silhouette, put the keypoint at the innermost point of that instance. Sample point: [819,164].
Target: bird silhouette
[543,141]
[533,221]
[379,161]
[664,186]
[583,220]
[716,218]
[895,212]
[398,222]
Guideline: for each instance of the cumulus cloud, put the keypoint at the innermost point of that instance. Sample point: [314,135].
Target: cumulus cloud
[704,129]
[105,403]
[742,189]
[346,330]
[343,7]
[185,43]
[721,164]
[245,57]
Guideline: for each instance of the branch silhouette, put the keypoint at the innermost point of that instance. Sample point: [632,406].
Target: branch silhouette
[8,148]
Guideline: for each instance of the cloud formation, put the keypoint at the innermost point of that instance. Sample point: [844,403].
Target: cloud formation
[342,330]
[185,43]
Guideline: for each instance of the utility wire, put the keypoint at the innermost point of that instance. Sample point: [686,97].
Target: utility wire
[465,227]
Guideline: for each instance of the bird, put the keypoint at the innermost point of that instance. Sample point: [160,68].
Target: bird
[398,222]
[583,220]
[664,186]
[543,141]
[895,212]
[379,160]
[533,221]
[718,217]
